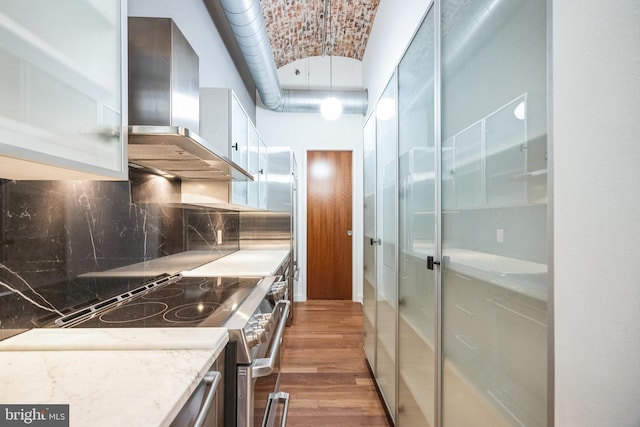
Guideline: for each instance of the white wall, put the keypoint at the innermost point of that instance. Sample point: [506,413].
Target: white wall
[596,149]
[393,29]
[191,16]
[303,132]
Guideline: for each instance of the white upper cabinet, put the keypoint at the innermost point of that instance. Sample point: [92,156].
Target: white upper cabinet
[61,74]
[239,133]
[257,190]
[226,125]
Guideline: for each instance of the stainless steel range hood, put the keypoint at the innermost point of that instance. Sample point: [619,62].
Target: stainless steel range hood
[164,107]
[177,151]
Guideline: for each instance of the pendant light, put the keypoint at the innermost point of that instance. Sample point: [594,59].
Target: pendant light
[331,107]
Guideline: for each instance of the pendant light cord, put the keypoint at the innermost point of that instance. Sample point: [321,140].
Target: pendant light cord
[330,75]
[330,44]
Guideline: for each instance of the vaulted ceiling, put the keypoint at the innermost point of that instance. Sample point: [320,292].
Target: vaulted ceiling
[299,29]
[302,28]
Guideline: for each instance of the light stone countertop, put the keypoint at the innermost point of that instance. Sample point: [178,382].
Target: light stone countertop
[105,388]
[109,377]
[170,264]
[108,339]
[258,263]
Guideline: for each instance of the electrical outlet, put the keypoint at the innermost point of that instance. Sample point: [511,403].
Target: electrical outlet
[219,237]
[500,235]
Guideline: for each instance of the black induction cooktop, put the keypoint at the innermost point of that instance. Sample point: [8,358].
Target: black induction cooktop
[187,302]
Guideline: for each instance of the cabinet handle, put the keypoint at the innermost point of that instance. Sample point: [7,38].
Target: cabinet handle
[235,146]
[212,379]
[270,413]
[261,171]
[431,262]
[265,366]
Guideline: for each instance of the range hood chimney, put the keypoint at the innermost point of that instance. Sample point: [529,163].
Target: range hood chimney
[164,107]
[247,24]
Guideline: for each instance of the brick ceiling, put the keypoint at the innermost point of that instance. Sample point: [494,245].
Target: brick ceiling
[298,29]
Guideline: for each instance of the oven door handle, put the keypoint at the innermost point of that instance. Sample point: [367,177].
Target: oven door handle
[263,367]
[212,379]
[270,413]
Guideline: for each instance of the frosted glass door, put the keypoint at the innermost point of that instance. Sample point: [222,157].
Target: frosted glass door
[239,149]
[370,242]
[262,175]
[417,181]
[494,273]
[386,256]
[253,167]
[61,84]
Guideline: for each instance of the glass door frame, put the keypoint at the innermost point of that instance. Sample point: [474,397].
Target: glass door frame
[437,112]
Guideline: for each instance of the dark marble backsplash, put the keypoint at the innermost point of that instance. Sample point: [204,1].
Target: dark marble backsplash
[51,232]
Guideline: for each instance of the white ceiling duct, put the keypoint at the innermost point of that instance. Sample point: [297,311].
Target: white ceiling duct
[248,27]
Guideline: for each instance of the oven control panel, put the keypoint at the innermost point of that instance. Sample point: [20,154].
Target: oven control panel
[258,319]
[261,323]
[279,290]
[257,329]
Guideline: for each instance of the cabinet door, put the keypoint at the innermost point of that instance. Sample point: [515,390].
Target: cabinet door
[262,175]
[369,244]
[215,118]
[61,88]
[239,139]
[386,252]
[493,106]
[417,226]
[253,166]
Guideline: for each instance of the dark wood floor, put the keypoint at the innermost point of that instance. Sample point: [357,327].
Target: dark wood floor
[324,369]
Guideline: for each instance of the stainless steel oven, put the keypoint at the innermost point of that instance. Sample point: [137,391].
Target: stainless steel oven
[258,336]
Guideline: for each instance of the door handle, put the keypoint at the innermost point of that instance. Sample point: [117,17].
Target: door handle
[431,262]
[266,365]
[269,415]
[373,241]
[349,232]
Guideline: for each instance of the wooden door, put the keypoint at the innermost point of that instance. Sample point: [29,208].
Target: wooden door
[329,240]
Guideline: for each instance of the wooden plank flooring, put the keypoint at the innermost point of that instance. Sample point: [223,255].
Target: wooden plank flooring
[324,369]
